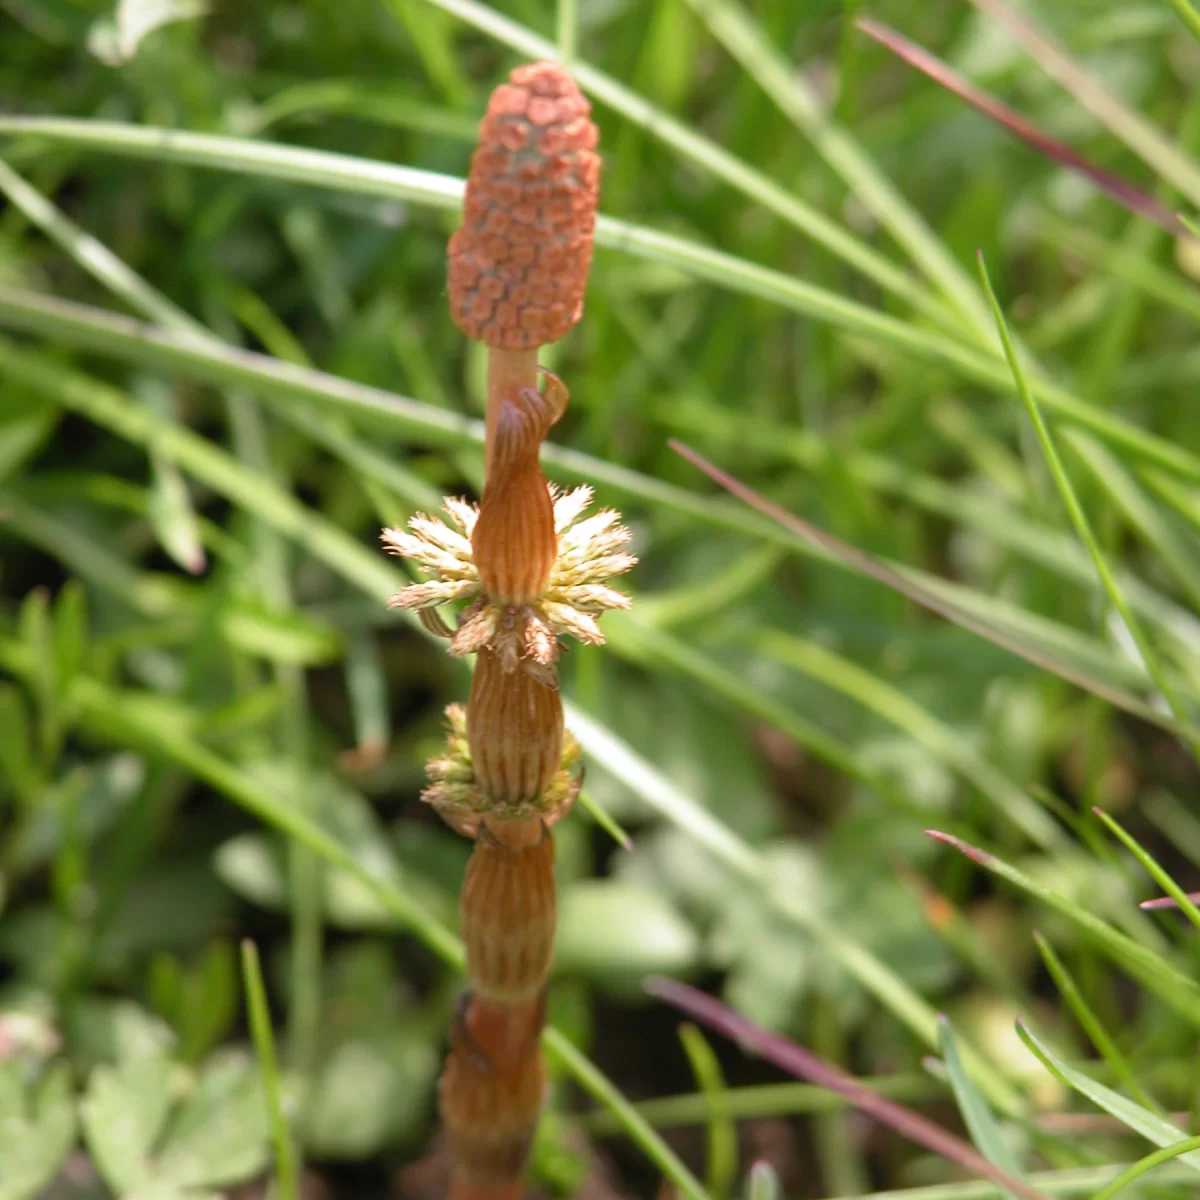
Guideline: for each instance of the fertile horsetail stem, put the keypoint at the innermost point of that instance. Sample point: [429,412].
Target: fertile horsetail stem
[529,569]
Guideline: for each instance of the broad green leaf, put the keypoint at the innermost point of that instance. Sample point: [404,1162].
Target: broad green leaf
[616,933]
[369,1091]
[37,1128]
[219,1136]
[123,1111]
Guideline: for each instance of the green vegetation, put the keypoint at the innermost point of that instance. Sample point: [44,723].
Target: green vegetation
[964,596]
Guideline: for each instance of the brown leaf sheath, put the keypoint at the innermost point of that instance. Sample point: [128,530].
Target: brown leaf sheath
[514,731]
[519,263]
[508,914]
[513,543]
[490,1115]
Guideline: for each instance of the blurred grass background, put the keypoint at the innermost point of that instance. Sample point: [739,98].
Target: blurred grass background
[192,605]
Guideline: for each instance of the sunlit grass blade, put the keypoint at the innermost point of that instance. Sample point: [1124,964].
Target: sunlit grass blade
[320,169]
[1152,868]
[214,466]
[1155,281]
[642,646]
[894,706]
[1120,190]
[977,1116]
[360,99]
[1143,138]
[705,154]
[286,1180]
[796,1060]
[637,1128]
[763,1100]
[647,782]
[969,508]
[1174,553]
[1090,1023]
[604,819]
[1188,15]
[1155,1159]
[1133,1116]
[283,383]
[107,714]
[1167,981]
[874,568]
[1083,527]
[722,1136]
[745,39]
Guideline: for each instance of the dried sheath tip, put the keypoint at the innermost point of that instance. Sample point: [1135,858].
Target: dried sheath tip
[519,264]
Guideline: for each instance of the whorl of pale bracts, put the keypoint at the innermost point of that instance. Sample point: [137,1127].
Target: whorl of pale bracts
[519,264]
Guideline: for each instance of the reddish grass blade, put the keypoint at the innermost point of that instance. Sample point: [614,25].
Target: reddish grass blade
[796,1060]
[1168,901]
[1120,190]
[1144,138]
[866,564]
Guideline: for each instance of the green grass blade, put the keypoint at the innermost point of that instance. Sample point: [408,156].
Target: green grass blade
[962,606]
[1133,1116]
[284,383]
[1178,990]
[1143,138]
[1188,15]
[108,715]
[647,782]
[705,154]
[628,638]
[604,819]
[636,1127]
[1125,265]
[264,1044]
[977,1116]
[1090,1023]
[1176,555]
[746,41]
[1075,1181]
[895,707]
[566,30]
[1004,524]
[1152,868]
[1083,527]
[364,176]
[722,1135]
[763,1100]
[1138,1169]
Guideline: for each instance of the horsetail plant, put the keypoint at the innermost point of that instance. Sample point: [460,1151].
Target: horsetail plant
[531,571]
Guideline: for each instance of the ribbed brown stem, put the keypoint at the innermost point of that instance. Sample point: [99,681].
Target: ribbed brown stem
[508,371]
[518,269]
